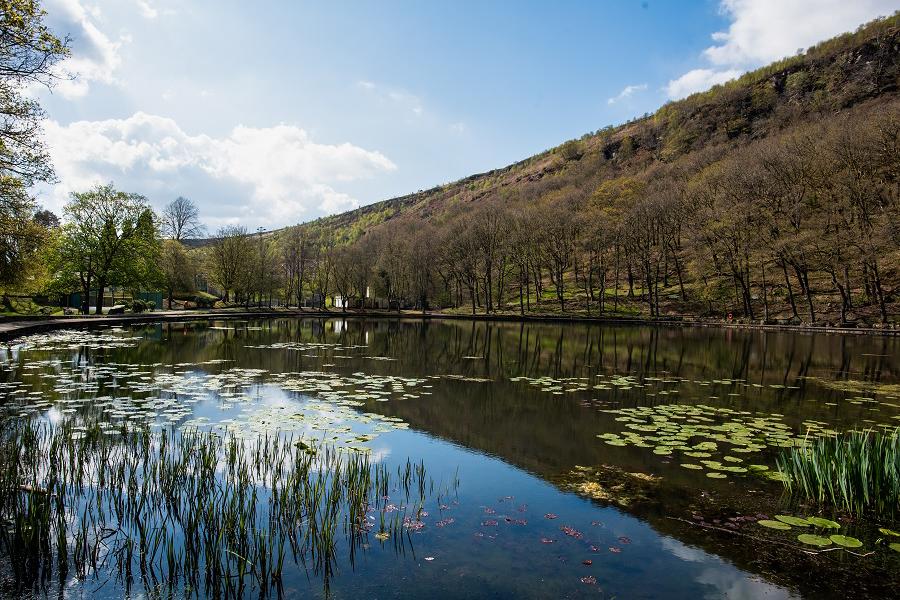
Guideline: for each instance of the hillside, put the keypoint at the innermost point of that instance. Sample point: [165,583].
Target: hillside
[774,197]
[833,77]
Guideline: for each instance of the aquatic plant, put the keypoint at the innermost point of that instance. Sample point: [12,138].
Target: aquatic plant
[188,512]
[858,471]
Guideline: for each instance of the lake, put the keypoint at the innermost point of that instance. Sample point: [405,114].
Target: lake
[561,460]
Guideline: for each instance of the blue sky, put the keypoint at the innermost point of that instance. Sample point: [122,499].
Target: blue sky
[274,112]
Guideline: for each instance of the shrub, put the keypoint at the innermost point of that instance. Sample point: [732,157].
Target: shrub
[201,299]
[139,306]
[571,150]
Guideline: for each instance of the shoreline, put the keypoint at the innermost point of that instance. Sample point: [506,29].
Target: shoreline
[13,327]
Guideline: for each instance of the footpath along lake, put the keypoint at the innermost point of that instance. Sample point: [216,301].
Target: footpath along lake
[447,458]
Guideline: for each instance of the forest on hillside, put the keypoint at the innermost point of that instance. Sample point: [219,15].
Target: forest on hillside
[803,225]
[773,197]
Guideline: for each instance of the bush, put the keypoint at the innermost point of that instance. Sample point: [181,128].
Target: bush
[571,150]
[200,299]
[205,301]
[139,306]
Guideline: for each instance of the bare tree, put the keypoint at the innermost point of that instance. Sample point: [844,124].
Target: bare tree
[181,220]
[230,260]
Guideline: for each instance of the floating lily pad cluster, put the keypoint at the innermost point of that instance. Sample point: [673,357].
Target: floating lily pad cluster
[73,339]
[580,384]
[306,346]
[653,387]
[323,405]
[357,386]
[719,440]
[820,532]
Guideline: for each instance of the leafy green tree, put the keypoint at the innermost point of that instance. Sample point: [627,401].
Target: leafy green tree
[28,51]
[20,235]
[178,270]
[110,237]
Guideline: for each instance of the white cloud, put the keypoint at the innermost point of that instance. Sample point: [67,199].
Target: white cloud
[627,92]
[95,56]
[763,31]
[259,176]
[697,81]
[147,10]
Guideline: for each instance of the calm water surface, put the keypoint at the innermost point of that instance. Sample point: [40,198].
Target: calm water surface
[568,442]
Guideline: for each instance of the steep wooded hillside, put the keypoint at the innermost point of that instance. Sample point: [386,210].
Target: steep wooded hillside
[815,86]
[774,197]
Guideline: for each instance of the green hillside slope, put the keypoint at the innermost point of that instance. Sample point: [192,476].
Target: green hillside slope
[772,197]
[830,78]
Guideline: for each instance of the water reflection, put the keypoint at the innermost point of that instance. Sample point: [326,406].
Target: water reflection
[477,408]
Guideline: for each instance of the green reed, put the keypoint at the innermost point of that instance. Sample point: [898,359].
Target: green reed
[858,471]
[192,513]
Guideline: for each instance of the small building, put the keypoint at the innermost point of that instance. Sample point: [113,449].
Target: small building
[342,302]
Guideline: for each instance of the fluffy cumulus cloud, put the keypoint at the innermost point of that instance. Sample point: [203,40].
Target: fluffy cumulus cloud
[762,31]
[95,55]
[698,80]
[252,176]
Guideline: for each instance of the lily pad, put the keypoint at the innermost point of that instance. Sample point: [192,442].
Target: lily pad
[813,540]
[773,524]
[886,531]
[798,521]
[846,541]
[823,523]
[895,547]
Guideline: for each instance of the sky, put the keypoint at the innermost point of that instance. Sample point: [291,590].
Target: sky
[275,112]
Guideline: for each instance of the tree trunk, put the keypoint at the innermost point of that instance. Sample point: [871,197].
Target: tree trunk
[843,293]
[790,291]
[521,299]
[678,272]
[86,292]
[616,289]
[848,287]
[488,290]
[879,292]
[803,277]
[101,284]
[527,278]
[630,281]
[602,290]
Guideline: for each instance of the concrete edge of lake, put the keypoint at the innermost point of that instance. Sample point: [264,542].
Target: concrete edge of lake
[12,327]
